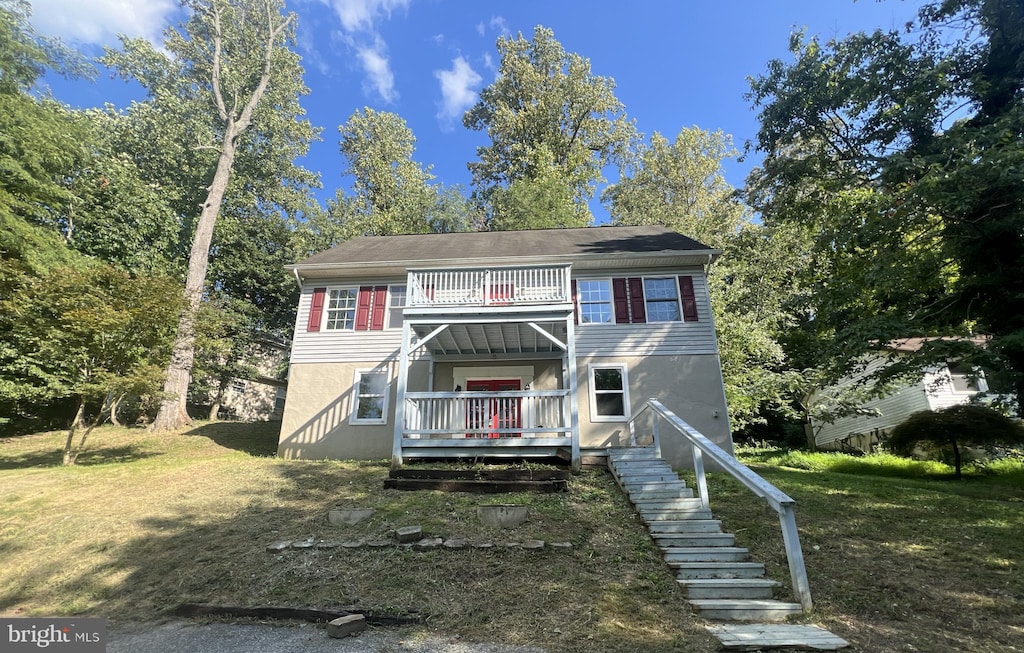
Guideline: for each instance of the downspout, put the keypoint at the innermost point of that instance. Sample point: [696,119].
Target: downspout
[298,279]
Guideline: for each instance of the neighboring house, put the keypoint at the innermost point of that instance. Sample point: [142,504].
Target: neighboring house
[501,344]
[261,396]
[939,387]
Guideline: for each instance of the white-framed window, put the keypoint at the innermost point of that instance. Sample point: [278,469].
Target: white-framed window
[395,305]
[340,311]
[370,397]
[238,386]
[661,300]
[609,393]
[964,379]
[595,299]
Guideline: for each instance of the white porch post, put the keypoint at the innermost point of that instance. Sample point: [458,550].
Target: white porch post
[403,378]
[574,413]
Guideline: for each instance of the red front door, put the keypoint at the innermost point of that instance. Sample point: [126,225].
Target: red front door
[495,412]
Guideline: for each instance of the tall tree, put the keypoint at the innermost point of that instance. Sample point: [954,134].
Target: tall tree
[234,73]
[391,193]
[547,116]
[680,185]
[898,154]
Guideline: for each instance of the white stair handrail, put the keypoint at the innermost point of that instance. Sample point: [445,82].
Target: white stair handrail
[778,500]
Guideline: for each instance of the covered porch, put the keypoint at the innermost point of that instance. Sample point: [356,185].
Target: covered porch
[476,328]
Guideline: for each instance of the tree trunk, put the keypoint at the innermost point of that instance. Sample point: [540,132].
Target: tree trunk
[956,459]
[173,414]
[217,398]
[115,407]
[75,423]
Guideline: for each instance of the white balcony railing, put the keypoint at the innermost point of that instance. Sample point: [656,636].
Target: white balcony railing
[506,286]
[509,414]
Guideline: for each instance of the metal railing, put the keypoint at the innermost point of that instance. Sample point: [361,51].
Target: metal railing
[504,414]
[505,286]
[779,501]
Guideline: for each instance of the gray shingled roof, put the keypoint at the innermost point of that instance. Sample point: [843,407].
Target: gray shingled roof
[508,244]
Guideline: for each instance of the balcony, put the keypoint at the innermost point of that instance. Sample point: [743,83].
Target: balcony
[488,419]
[489,287]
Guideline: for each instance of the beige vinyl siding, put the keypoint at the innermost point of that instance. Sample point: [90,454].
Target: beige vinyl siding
[894,409]
[655,338]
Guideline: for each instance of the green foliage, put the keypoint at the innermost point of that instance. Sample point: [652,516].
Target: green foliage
[85,332]
[547,116]
[954,427]
[874,464]
[680,185]
[895,155]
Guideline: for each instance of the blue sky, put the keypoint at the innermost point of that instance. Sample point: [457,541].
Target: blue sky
[676,63]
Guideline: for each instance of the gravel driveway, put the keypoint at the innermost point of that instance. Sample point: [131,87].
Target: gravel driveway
[187,637]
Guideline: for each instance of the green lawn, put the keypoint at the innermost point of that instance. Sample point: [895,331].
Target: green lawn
[145,522]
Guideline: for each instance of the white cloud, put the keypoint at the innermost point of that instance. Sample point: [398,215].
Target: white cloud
[481,28]
[359,31]
[378,70]
[360,15]
[499,24]
[489,62]
[100,21]
[457,92]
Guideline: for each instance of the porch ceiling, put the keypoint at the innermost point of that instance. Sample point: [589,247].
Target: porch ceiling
[489,339]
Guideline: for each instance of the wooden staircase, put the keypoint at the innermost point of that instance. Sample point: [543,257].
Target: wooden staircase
[718,577]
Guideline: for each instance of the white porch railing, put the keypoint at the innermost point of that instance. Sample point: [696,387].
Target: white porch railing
[505,286]
[508,414]
[780,502]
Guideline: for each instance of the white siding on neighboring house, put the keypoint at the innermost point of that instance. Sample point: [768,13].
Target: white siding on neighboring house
[934,391]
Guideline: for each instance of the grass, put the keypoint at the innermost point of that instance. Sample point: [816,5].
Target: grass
[146,522]
[900,557]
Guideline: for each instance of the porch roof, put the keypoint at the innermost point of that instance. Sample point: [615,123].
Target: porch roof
[469,340]
[592,247]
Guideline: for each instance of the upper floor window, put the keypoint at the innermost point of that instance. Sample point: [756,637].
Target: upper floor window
[395,307]
[595,298]
[662,300]
[341,309]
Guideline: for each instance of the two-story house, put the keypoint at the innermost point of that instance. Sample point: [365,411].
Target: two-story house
[501,344]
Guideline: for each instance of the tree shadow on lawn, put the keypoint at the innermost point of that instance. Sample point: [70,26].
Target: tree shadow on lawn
[254,438]
[55,457]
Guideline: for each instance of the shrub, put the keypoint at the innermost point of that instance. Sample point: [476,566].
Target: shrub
[954,427]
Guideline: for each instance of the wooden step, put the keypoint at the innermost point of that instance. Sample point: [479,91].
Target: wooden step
[619,453]
[688,570]
[674,514]
[728,588]
[640,465]
[694,539]
[654,495]
[654,486]
[749,637]
[704,554]
[677,503]
[684,526]
[632,479]
[745,609]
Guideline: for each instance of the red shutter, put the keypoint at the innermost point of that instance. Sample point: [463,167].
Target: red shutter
[621,300]
[689,299]
[575,306]
[380,304]
[636,300]
[363,308]
[316,309]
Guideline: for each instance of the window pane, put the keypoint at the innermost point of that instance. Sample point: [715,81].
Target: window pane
[370,408]
[660,288]
[595,313]
[594,291]
[610,404]
[395,310]
[341,309]
[608,379]
[663,311]
[372,384]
